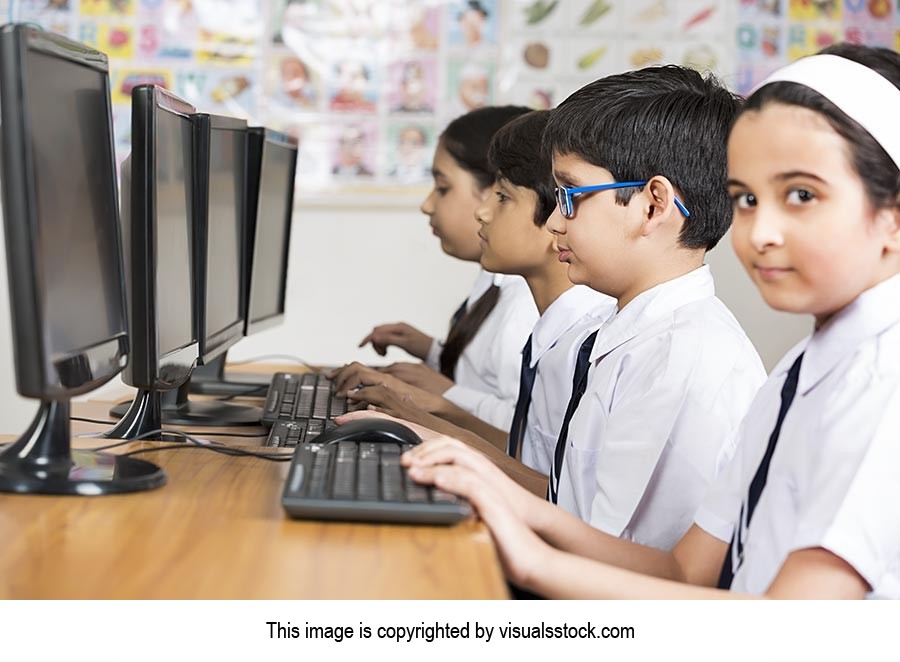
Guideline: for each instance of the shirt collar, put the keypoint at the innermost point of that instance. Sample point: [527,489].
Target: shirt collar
[575,305]
[651,306]
[482,283]
[867,316]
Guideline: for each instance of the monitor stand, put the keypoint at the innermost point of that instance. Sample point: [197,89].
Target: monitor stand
[210,379]
[42,462]
[177,409]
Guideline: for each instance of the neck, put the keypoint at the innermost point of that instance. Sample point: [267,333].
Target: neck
[662,273]
[548,285]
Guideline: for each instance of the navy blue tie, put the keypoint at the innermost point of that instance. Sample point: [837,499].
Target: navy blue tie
[736,548]
[579,385]
[520,417]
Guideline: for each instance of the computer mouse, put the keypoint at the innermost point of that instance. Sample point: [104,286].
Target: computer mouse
[371,430]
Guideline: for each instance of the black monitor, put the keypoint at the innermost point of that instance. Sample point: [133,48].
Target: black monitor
[158,222]
[64,254]
[218,154]
[270,201]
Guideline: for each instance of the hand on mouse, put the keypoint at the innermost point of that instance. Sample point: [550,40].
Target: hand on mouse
[400,335]
[420,376]
[425,433]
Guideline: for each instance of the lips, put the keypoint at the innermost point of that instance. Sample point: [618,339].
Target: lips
[771,273]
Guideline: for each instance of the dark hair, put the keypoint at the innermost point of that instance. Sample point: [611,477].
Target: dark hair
[515,155]
[463,330]
[668,121]
[880,175]
[467,138]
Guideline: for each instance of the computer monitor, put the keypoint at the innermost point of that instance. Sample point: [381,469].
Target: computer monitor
[219,224]
[158,222]
[270,196]
[64,257]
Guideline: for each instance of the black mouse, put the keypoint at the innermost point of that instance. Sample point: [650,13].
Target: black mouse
[371,430]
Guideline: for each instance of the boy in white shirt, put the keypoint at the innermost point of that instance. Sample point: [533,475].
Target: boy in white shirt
[672,374]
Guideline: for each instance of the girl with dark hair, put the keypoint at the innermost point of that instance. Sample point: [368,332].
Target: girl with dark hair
[807,501]
[477,366]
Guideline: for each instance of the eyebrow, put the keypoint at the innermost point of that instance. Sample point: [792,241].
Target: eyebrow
[564,177]
[437,173]
[780,177]
[797,173]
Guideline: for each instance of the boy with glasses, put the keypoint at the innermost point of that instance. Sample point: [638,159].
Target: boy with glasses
[639,163]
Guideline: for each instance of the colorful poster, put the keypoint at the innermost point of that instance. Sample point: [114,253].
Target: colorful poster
[367,85]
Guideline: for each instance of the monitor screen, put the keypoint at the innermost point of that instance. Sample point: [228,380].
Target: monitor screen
[79,268]
[269,255]
[227,159]
[174,221]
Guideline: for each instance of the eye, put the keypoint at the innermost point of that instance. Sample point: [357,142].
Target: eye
[501,197]
[441,190]
[800,196]
[743,200]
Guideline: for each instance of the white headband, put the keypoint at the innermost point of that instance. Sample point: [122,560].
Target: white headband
[863,94]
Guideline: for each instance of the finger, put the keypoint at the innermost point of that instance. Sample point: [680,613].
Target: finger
[350,377]
[357,416]
[454,452]
[431,444]
[371,394]
[369,338]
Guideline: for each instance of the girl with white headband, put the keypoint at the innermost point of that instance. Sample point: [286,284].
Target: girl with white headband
[807,504]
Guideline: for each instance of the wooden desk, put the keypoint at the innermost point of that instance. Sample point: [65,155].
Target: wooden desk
[217,530]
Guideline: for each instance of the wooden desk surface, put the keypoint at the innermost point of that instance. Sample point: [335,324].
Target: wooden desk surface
[217,530]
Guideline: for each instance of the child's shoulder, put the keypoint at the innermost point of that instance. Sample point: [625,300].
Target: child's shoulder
[706,338]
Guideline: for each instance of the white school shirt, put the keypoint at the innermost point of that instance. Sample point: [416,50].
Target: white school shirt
[487,373]
[677,375]
[555,341]
[834,478]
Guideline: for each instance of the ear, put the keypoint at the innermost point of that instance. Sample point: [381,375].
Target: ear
[658,205]
[888,220]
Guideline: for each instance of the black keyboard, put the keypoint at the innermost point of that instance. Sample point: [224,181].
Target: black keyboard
[363,481]
[296,432]
[307,395]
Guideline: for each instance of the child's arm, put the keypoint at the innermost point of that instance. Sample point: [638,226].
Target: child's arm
[400,335]
[690,571]
[453,466]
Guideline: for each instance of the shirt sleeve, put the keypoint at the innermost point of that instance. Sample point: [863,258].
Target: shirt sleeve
[850,504]
[433,358]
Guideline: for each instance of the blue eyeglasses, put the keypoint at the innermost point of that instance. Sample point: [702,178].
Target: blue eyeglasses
[565,197]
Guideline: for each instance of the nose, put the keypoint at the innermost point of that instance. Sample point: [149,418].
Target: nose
[427,206]
[556,224]
[483,214]
[766,231]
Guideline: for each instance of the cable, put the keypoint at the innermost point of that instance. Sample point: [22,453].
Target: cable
[199,433]
[256,391]
[224,450]
[285,357]
[91,420]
